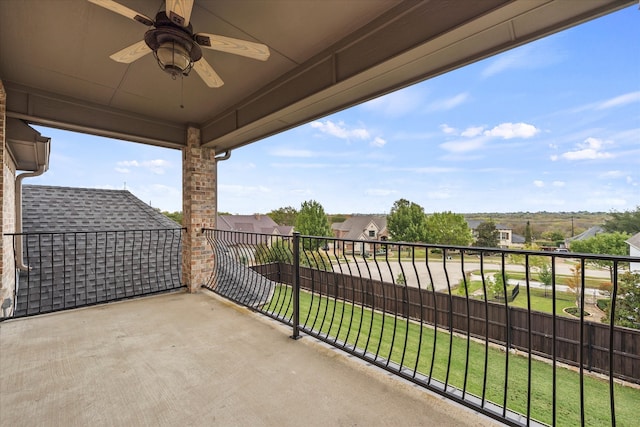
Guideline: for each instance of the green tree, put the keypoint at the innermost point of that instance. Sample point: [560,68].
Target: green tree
[312,221]
[447,228]
[554,236]
[487,235]
[624,222]
[338,218]
[176,216]
[546,277]
[528,236]
[407,222]
[602,244]
[499,285]
[284,216]
[279,251]
[627,310]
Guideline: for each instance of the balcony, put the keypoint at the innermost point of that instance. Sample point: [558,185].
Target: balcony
[388,329]
[193,359]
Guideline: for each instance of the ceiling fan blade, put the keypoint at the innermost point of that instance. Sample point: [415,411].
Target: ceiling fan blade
[179,11]
[131,53]
[235,46]
[124,11]
[207,74]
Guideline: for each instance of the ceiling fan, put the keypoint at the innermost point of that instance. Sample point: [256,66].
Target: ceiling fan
[174,45]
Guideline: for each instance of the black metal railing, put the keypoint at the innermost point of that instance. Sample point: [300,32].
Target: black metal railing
[74,269]
[438,316]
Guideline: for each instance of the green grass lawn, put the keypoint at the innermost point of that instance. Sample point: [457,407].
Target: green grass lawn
[445,356]
[539,301]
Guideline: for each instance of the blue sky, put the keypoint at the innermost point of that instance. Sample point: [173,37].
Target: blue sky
[551,126]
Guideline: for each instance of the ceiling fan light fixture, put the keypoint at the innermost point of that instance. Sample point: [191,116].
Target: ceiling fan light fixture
[174,58]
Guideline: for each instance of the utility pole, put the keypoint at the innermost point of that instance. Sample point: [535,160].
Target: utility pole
[572,234]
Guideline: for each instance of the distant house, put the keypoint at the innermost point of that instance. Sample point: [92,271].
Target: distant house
[517,240]
[634,250]
[257,223]
[262,227]
[85,245]
[366,228]
[247,232]
[505,234]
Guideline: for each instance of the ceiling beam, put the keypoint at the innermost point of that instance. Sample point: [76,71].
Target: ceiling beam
[46,109]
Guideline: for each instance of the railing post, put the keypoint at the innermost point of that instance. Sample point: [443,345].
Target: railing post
[296,286]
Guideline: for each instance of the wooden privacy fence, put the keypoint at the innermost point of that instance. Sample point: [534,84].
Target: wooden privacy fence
[497,322]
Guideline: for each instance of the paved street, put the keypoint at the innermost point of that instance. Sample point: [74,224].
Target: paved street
[450,272]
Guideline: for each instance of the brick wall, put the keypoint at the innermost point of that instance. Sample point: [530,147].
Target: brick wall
[199,189]
[7,221]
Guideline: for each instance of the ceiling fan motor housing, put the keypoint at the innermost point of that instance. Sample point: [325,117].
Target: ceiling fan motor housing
[173,46]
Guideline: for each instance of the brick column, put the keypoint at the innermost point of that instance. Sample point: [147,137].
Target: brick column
[199,197]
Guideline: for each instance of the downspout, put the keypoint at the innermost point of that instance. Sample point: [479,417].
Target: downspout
[19,256]
[221,158]
[225,156]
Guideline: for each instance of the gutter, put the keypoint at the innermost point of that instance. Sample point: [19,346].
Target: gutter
[18,209]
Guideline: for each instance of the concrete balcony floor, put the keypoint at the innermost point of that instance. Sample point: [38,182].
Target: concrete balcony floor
[195,360]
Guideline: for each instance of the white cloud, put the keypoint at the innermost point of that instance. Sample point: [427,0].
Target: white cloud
[538,183]
[448,129]
[558,183]
[378,142]
[503,130]
[464,145]
[612,174]
[340,130]
[157,166]
[472,131]
[618,101]
[590,149]
[513,130]
[133,163]
[448,103]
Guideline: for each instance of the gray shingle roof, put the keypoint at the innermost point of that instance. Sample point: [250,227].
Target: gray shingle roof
[634,240]
[82,249]
[356,224]
[247,223]
[64,209]
[516,238]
